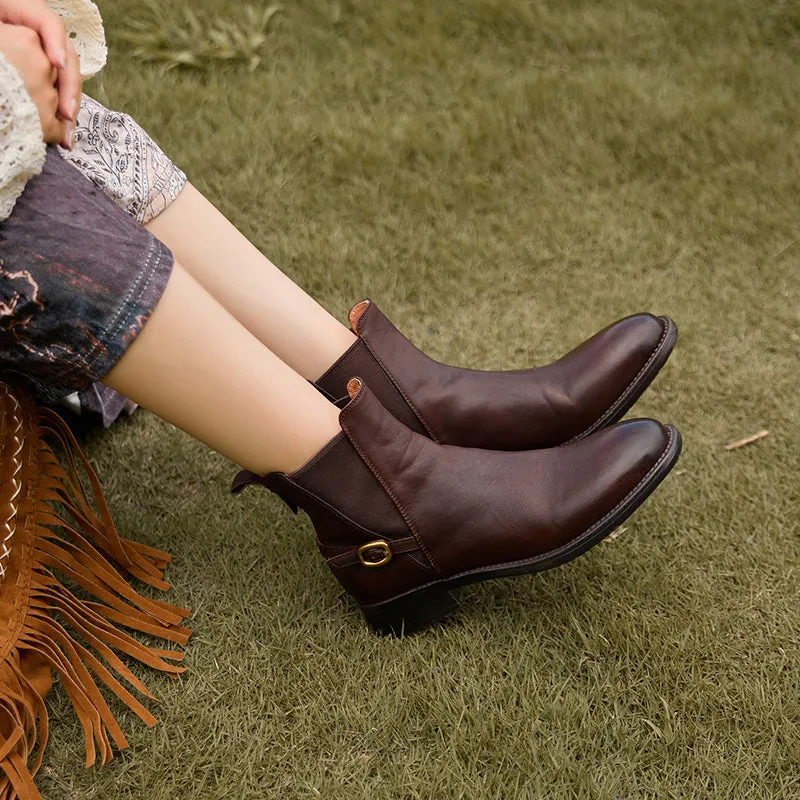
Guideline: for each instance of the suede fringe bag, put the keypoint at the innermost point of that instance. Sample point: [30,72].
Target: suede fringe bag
[51,530]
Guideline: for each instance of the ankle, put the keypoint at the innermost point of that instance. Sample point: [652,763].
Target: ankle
[308,437]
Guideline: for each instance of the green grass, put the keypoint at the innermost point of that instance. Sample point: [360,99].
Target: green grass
[504,178]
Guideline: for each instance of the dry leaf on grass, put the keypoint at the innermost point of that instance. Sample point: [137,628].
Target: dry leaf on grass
[616,532]
[747,440]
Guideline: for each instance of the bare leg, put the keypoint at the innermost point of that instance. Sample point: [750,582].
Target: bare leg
[268,303]
[194,365]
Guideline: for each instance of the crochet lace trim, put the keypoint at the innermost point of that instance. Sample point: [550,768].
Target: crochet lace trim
[21,147]
[85,27]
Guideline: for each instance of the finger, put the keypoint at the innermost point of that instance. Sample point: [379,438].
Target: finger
[68,137]
[51,31]
[39,18]
[54,130]
[46,100]
[38,65]
[69,85]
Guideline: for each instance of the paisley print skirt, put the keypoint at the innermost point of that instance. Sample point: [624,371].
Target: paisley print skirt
[119,157]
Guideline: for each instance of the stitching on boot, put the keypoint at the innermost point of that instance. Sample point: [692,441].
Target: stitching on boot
[622,395]
[367,532]
[393,379]
[406,516]
[418,561]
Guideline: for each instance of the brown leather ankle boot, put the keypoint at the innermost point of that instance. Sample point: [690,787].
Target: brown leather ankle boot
[586,390]
[402,520]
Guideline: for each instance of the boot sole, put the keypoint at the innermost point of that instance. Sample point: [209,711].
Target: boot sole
[636,388]
[412,611]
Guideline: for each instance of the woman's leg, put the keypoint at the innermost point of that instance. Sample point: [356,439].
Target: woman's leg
[592,388]
[268,303]
[149,185]
[588,389]
[194,365]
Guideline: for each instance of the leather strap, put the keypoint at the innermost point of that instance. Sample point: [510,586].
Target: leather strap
[350,557]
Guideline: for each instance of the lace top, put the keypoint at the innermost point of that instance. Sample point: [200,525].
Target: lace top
[21,147]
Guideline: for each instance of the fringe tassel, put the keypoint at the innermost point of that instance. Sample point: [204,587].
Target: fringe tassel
[53,531]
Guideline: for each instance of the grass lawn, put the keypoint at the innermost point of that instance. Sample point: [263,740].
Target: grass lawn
[503,178]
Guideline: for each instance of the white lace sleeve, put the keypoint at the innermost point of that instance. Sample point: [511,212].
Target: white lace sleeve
[85,28]
[21,147]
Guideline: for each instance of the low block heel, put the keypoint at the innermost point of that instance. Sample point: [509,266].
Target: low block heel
[410,613]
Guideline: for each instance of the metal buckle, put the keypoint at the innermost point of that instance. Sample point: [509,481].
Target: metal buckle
[377,545]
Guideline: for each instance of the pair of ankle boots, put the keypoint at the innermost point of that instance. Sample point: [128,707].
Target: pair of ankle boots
[444,476]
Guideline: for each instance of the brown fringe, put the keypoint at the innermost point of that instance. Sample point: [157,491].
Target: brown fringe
[53,531]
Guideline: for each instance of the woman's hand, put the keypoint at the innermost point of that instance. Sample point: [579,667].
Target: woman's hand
[22,48]
[35,14]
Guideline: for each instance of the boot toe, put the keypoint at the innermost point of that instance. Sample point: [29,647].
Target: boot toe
[609,372]
[611,469]
[626,347]
[643,331]
[634,448]
[642,440]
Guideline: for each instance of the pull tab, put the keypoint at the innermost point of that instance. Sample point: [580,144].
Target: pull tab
[353,387]
[245,478]
[355,314]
